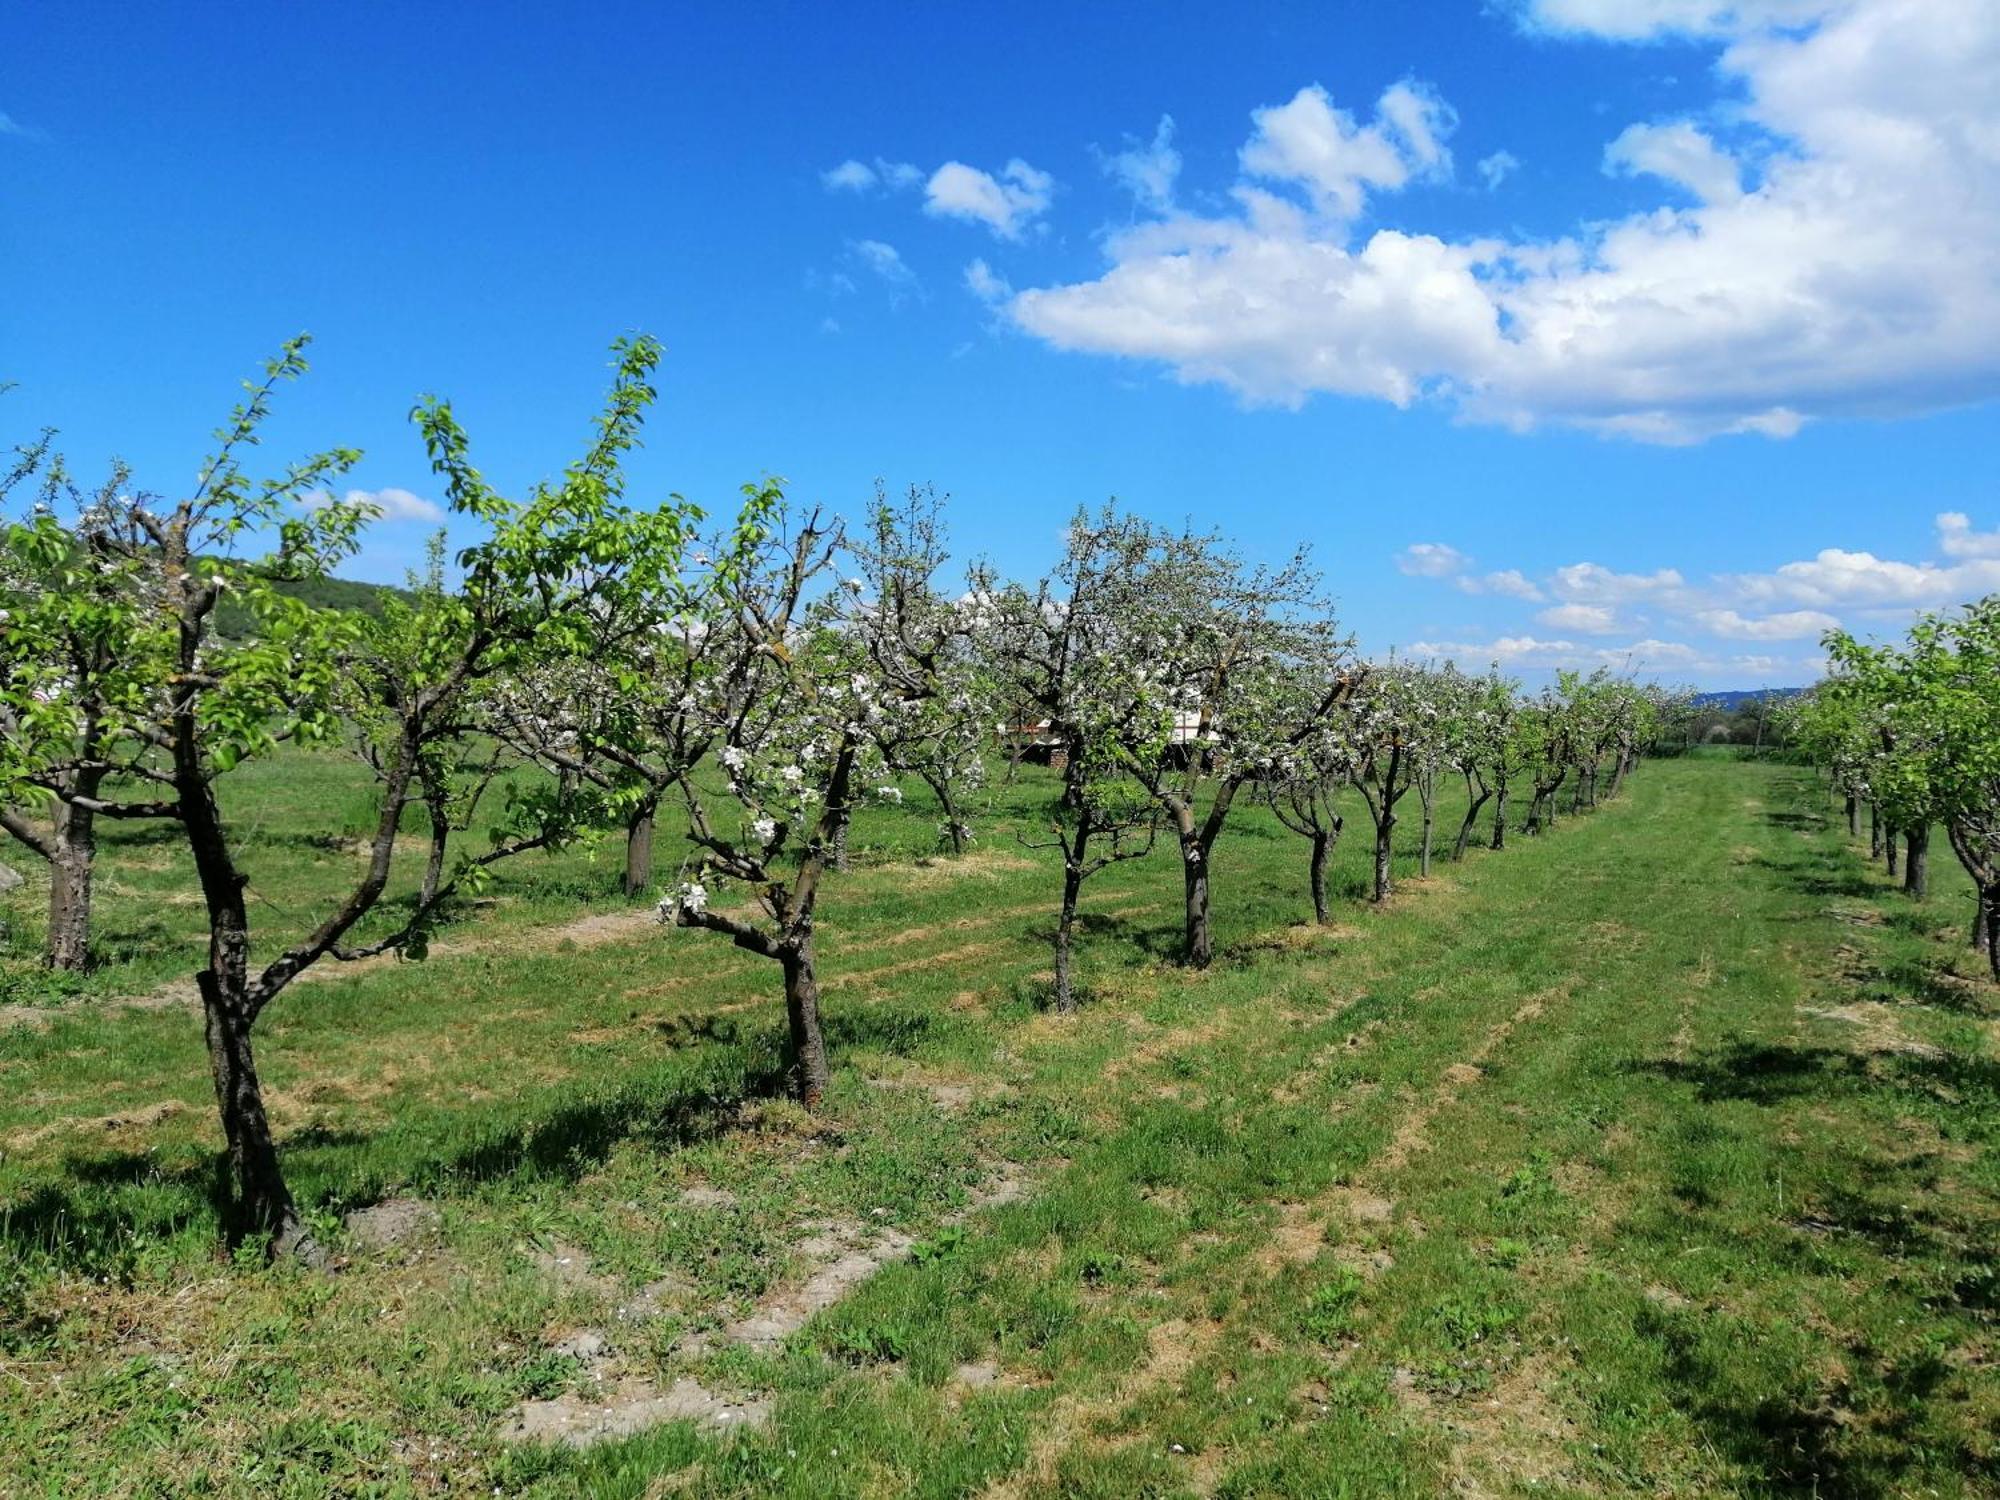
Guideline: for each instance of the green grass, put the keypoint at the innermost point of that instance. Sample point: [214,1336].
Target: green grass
[1651,1157]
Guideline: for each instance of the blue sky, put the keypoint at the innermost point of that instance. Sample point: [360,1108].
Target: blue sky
[1565,331]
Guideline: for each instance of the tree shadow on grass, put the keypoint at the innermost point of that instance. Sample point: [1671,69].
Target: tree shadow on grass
[1820,1438]
[1762,1073]
[95,1215]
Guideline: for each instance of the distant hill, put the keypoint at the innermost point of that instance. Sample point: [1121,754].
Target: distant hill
[1735,698]
[322,593]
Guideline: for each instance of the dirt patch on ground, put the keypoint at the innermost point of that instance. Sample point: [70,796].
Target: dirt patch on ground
[125,1122]
[1173,1349]
[1876,1027]
[978,864]
[619,1409]
[1511,1438]
[1293,1241]
[392,1222]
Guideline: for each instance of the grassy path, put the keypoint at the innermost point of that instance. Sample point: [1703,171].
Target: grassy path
[1653,1157]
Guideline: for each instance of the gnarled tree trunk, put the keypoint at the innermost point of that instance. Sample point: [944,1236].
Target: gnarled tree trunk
[1385,830]
[1500,818]
[1853,817]
[72,856]
[808,1042]
[1322,845]
[256,1199]
[639,847]
[1198,946]
[1889,851]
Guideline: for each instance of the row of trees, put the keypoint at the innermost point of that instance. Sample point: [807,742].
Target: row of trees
[1911,731]
[589,659]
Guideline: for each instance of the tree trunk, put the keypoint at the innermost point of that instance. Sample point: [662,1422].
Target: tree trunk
[1500,819]
[840,846]
[1854,817]
[256,1200]
[1874,831]
[440,816]
[639,848]
[72,857]
[1465,829]
[1981,937]
[1385,828]
[1198,945]
[1989,897]
[1424,860]
[1889,850]
[1065,990]
[808,1042]
[1917,862]
[1322,843]
[954,828]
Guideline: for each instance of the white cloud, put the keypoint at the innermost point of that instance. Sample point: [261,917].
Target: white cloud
[1642,20]
[1858,276]
[1310,142]
[884,260]
[1835,578]
[1792,625]
[1006,204]
[1591,619]
[1588,582]
[853,176]
[1678,153]
[1149,169]
[1531,651]
[388,504]
[1497,168]
[985,283]
[1958,539]
[1431,560]
[1510,583]
[850,176]
[11,126]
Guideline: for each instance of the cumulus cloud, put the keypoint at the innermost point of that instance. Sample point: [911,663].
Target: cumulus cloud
[1532,651]
[1431,560]
[1792,625]
[1643,20]
[1497,168]
[1590,619]
[1679,153]
[1006,204]
[853,176]
[1835,578]
[1958,539]
[1149,169]
[1851,268]
[985,283]
[1796,601]
[1337,161]
[1510,583]
[387,504]
[1589,582]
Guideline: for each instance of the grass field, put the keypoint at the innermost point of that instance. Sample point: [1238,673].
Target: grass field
[1654,1156]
